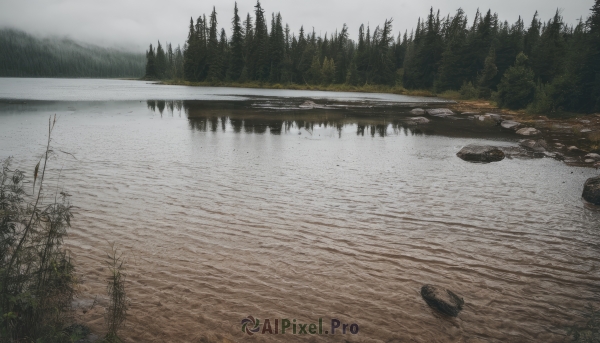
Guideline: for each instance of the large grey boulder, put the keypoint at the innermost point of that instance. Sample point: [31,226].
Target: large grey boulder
[442,300]
[481,153]
[528,131]
[439,112]
[417,111]
[591,190]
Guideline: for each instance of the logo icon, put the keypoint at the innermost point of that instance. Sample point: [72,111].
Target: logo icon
[250,322]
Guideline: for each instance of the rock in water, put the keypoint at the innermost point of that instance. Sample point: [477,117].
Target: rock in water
[481,153]
[533,145]
[528,131]
[440,112]
[308,104]
[419,120]
[593,156]
[442,300]
[509,124]
[417,111]
[591,190]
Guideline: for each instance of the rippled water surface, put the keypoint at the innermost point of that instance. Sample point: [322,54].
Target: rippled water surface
[255,207]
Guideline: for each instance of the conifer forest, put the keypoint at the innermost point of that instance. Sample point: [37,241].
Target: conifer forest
[24,55]
[543,65]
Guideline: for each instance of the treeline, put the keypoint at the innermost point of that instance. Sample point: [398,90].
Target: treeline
[22,55]
[545,65]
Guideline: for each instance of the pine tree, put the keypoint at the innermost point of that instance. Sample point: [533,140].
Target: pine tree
[236,61]
[190,54]
[548,54]
[249,64]
[213,56]
[260,46]
[160,62]
[150,64]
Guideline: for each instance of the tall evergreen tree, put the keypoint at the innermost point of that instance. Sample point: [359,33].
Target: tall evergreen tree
[236,60]
[150,63]
[160,62]
[213,55]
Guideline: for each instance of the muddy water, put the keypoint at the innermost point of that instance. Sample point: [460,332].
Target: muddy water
[226,210]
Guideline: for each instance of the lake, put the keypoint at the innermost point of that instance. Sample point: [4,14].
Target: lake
[235,202]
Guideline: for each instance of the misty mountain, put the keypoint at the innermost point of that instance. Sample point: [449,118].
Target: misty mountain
[24,55]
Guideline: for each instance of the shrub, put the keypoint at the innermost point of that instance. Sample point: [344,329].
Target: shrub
[37,281]
[468,91]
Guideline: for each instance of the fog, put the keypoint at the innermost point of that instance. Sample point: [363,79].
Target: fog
[133,24]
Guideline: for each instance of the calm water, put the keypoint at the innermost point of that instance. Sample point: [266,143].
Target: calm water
[232,205]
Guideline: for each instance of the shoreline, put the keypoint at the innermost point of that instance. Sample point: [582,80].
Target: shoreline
[569,138]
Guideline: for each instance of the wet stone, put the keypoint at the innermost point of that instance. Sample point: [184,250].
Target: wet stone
[509,124]
[481,153]
[442,300]
[528,131]
[439,112]
[591,190]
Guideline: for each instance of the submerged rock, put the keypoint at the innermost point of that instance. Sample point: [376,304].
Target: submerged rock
[481,153]
[419,120]
[511,125]
[585,130]
[593,156]
[309,104]
[417,111]
[442,300]
[440,112]
[591,190]
[536,146]
[528,131]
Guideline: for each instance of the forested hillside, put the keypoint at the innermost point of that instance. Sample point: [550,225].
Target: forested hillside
[23,55]
[545,65]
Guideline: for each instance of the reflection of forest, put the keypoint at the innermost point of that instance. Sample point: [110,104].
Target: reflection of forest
[242,117]
[277,116]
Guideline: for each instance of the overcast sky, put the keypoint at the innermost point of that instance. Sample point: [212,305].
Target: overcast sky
[136,23]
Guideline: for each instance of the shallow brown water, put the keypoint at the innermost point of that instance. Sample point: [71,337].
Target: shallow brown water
[253,208]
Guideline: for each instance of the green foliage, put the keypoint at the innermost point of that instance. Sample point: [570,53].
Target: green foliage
[23,55]
[328,71]
[468,91]
[516,90]
[37,280]
[118,303]
[485,81]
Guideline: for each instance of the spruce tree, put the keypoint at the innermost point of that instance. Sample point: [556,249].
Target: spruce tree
[213,56]
[190,54]
[236,58]
[160,62]
[150,64]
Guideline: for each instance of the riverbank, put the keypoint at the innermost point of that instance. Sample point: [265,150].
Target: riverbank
[329,88]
